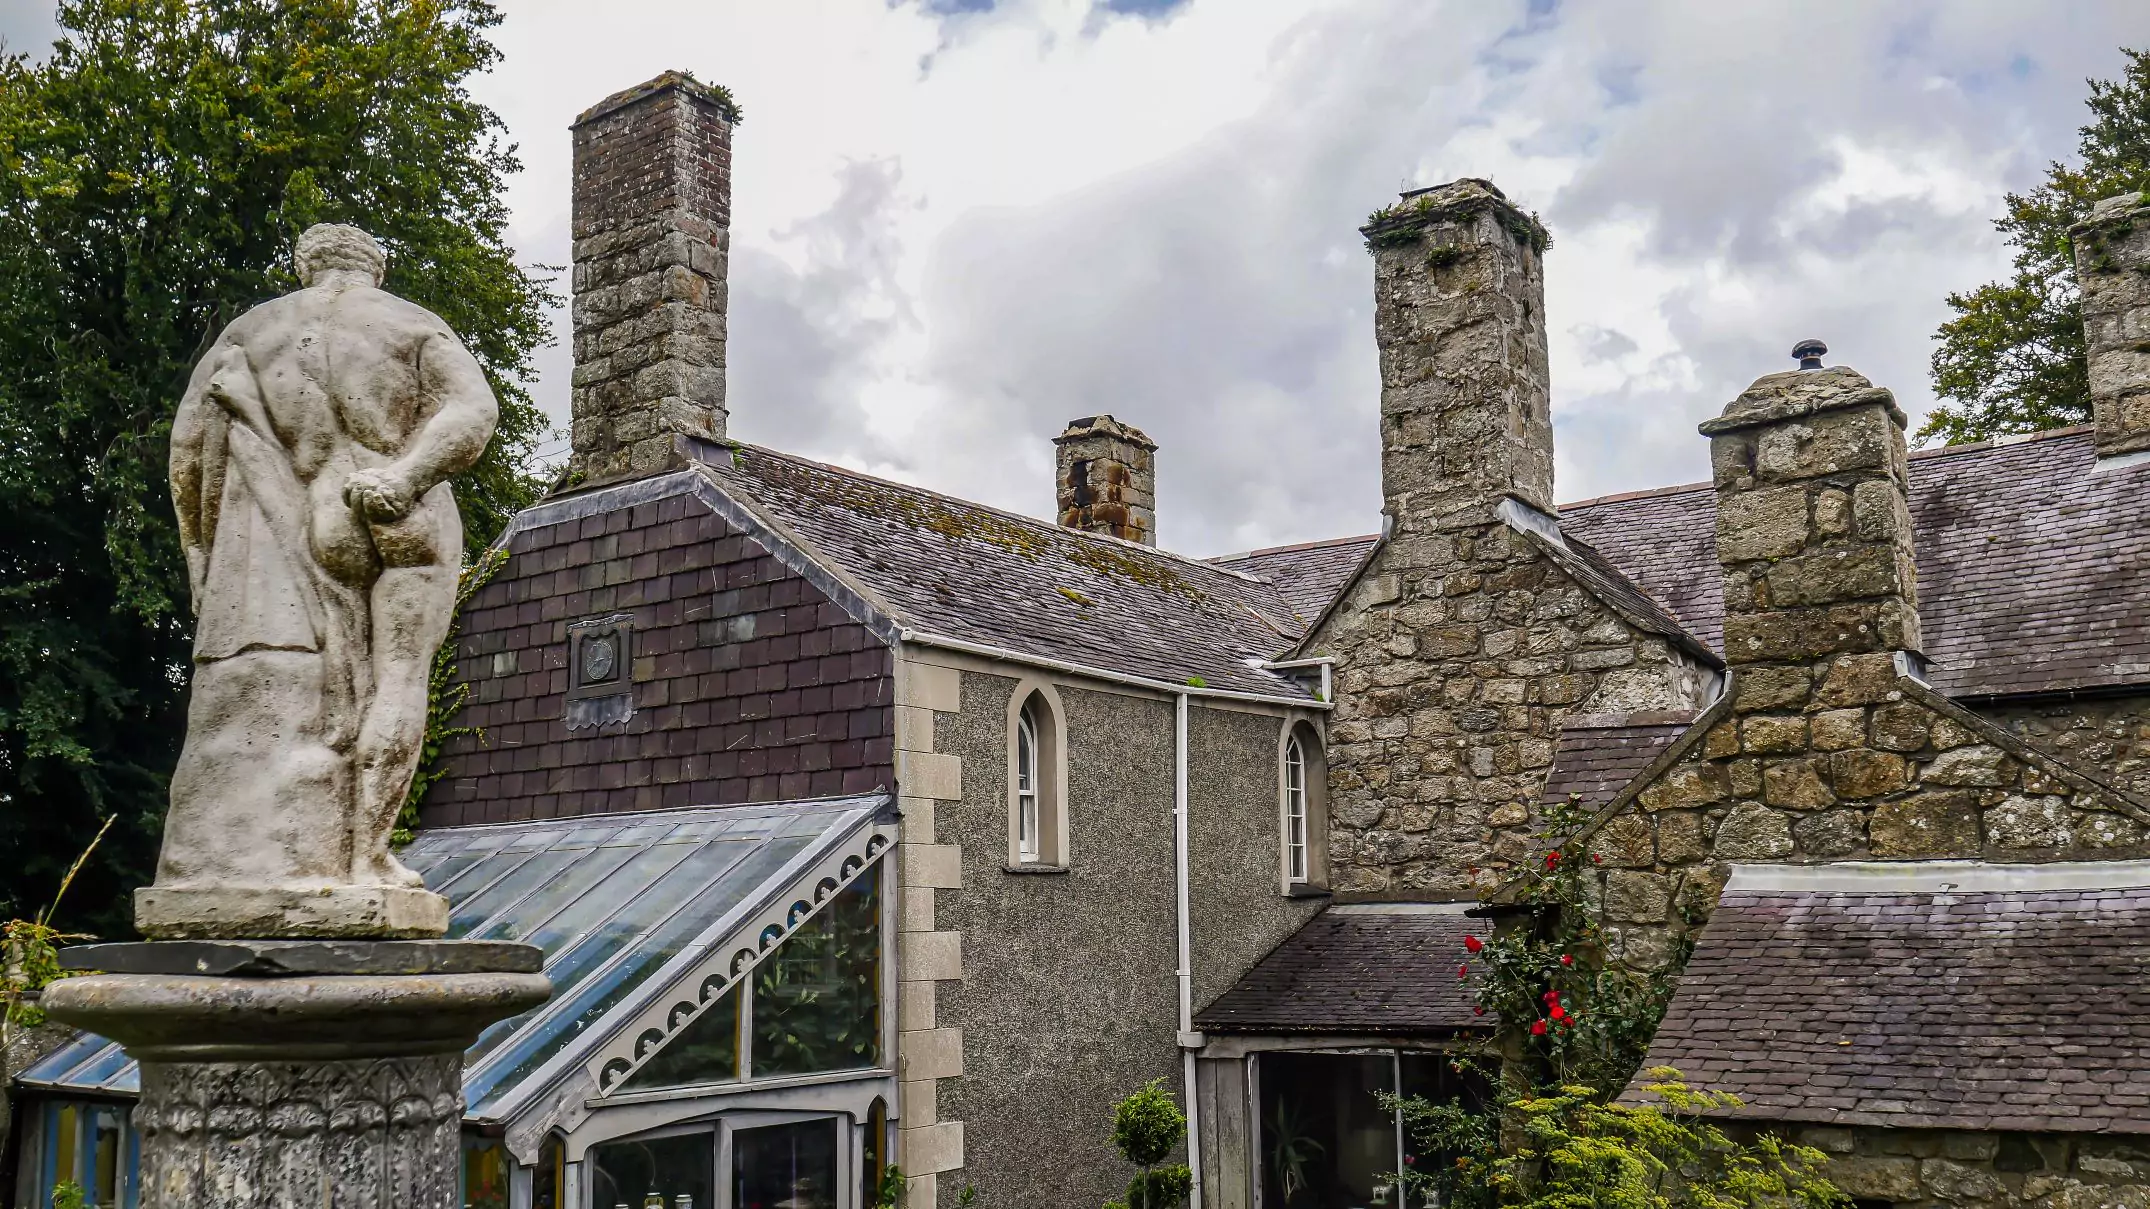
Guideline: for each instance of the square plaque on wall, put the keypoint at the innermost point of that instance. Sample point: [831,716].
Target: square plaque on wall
[600,678]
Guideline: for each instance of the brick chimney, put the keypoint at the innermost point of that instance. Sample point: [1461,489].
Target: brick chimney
[2112,269]
[652,218]
[1459,314]
[1107,477]
[1814,534]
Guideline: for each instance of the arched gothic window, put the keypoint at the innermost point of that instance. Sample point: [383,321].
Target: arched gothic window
[1037,780]
[1302,808]
[1296,861]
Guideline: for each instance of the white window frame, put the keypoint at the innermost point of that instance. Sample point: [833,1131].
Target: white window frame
[1302,806]
[1029,845]
[1037,802]
[1297,839]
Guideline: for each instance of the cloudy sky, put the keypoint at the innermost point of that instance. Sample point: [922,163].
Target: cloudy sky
[959,223]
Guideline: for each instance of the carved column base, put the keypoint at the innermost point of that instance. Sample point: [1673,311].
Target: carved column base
[336,1091]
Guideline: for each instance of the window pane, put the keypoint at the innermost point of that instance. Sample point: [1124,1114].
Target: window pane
[485,1174]
[785,1166]
[1326,1141]
[551,1174]
[817,1001]
[1026,838]
[630,1173]
[1026,754]
[105,1126]
[706,1051]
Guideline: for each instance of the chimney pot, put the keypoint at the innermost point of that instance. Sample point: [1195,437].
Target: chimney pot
[1810,353]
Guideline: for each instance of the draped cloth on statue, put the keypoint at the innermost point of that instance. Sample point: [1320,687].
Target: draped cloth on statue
[271,721]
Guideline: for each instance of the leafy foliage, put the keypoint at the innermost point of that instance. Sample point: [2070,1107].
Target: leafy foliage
[445,696]
[1146,1126]
[1570,1014]
[69,1195]
[1572,1028]
[2012,359]
[154,171]
[817,1003]
[31,950]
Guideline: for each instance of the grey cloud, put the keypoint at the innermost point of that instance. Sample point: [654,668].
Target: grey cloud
[801,340]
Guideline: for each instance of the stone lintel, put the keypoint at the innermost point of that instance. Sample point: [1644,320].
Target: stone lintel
[359,912]
[295,958]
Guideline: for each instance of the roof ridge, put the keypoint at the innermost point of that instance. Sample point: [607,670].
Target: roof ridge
[1081,534]
[1294,547]
[2003,442]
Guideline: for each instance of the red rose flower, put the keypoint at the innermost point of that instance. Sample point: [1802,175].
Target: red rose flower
[1463,971]
[1478,1011]
[1595,859]
[1537,1028]
[1552,996]
[1567,959]
[1558,1012]
[1552,858]
[1473,944]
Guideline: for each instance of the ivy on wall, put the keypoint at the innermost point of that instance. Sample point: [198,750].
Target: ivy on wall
[445,697]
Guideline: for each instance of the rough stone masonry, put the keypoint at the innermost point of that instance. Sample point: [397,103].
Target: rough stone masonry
[652,229]
[1463,643]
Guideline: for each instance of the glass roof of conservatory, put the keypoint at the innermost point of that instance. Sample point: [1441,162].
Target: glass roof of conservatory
[615,901]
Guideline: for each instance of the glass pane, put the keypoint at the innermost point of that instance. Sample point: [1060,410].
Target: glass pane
[676,1172]
[1430,1077]
[1026,753]
[485,1174]
[817,1002]
[550,1176]
[1326,1141]
[1026,840]
[706,1051]
[509,877]
[586,1001]
[785,1166]
[106,1125]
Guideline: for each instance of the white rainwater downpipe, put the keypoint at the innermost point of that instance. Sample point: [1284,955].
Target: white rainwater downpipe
[1186,946]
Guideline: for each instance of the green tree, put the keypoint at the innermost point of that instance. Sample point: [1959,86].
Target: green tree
[155,168]
[2011,360]
[1145,1128]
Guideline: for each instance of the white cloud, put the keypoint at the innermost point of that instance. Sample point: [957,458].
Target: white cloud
[958,225]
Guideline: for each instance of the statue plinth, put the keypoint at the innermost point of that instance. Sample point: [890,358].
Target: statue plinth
[329,911]
[303,1072]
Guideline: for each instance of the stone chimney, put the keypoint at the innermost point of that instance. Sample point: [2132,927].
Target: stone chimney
[1814,534]
[652,218]
[1107,476]
[1459,314]
[2112,268]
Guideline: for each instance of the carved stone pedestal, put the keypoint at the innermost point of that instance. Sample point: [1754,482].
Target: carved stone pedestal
[281,1085]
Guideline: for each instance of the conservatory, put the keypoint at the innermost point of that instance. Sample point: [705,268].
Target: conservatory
[717,1038]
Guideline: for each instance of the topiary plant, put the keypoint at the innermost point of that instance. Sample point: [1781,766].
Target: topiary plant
[1146,1126]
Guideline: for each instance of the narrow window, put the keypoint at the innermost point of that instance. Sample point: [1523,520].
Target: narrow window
[1295,830]
[1027,846]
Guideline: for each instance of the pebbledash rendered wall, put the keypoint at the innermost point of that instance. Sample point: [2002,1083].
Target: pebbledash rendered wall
[748,684]
[1060,994]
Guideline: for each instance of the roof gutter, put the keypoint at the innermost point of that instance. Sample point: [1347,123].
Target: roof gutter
[944,643]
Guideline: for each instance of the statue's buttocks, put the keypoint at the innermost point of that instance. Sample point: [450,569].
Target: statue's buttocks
[310,458]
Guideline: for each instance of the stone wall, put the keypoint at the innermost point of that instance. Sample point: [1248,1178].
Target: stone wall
[1463,645]
[652,219]
[2112,262]
[1961,1169]
[2106,736]
[1105,479]
[1827,746]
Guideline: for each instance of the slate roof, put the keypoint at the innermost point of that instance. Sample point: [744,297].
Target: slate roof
[1308,575]
[1933,1009]
[960,570]
[2034,568]
[1599,754]
[1386,968]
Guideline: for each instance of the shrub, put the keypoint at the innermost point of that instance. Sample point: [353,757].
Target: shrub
[1146,1126]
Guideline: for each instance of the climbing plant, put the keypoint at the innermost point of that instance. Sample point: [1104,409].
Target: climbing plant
[1571,1027]
[445,697]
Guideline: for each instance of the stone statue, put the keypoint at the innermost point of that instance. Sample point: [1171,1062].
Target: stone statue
[310,459]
